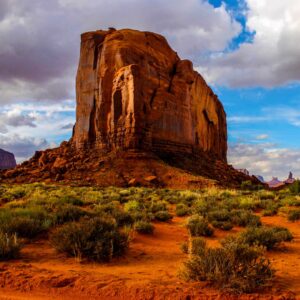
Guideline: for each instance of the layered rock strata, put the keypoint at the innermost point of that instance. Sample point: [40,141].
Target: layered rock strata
[134,92]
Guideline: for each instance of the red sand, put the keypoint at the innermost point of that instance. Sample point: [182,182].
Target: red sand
[149,271]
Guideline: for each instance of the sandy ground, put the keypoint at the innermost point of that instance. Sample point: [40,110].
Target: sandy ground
[149,270]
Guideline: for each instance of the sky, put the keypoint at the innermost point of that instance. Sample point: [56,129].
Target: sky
[247,50]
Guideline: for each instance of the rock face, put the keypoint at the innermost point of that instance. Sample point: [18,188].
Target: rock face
[7,160]
[134,92]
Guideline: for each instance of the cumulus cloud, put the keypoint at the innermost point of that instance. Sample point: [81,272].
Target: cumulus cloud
[265,159]
[15,118]
[25,128]
[40,38]
[272,59]
[22,147]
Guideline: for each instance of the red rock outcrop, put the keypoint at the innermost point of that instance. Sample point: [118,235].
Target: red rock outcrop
[143,117]
[7,160]
[134,92]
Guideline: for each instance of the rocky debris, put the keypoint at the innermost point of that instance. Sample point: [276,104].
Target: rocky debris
[7,160]
[134,92]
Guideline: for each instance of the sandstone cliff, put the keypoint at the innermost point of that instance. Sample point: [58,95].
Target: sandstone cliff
[7,160]
[134,92]
[143,117]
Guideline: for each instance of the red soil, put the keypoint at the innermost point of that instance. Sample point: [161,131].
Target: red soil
[149,270]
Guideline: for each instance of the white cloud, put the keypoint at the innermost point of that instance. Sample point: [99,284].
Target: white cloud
[22,147]
[40,39]
[262,137]
[265,159]
[273,59]
[25,128]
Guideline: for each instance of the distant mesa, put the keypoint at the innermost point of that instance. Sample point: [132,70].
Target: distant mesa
[7,160]
[260,178]
[142,112]
[276,183]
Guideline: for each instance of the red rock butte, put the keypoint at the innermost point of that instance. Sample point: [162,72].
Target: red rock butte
[143,117]
[134,92]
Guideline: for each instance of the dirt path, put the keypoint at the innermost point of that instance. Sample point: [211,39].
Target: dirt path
[149,271]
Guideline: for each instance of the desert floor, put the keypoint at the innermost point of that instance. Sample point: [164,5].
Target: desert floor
[149,270]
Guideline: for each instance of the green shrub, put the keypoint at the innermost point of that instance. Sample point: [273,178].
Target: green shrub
[24,222]
[68,213]
[224,225]
[163,216]
[198,246]
[9,246]
[158,206]
[198,226]
[182,210]
[294,215]
[244,218]
[96,239]
[235,266]
[295,187]
[132,206]
[269,237]
[144,227]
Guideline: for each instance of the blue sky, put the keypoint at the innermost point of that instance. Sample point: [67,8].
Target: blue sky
[247,50]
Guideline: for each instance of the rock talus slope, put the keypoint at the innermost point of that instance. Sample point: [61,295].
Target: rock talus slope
[134,92]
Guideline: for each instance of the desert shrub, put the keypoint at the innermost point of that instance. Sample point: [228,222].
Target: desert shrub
[9,246]
[291,201]
[163,216]
[219,215]
[158,206]
[202,206]
[295,187]
[294,215]
[249,186]
[198,245]
[244,218]
[132,206]
[182,210]
[224,225]
[266,195]
[68,213]
[123,218]
[271,209]
[235,266]
[198,226]
[15,192]
[269,237]
[73,200]
[96,239]
[220,219]
[25,222]
[248,203]
[144,227]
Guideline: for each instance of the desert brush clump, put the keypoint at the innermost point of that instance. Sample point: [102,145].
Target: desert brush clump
[97,239]
[144,227]
[9,246]
[269,237]
[199,226]
[235,266]
[294,215]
